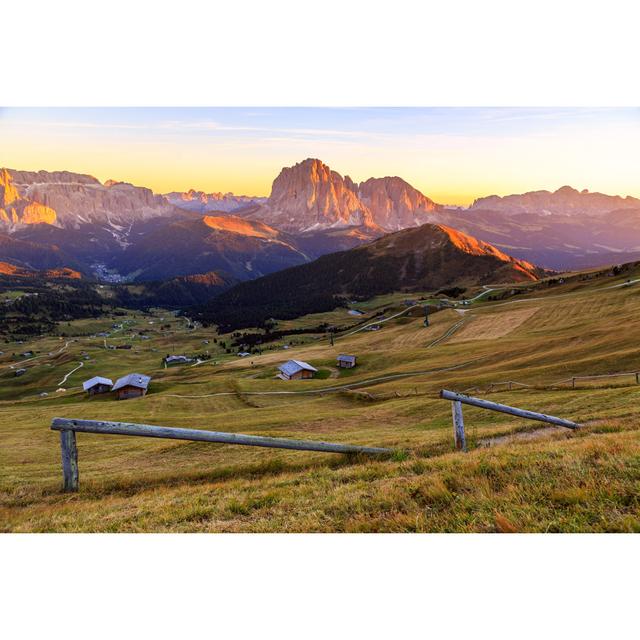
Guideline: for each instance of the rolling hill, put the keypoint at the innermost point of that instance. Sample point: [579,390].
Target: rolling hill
[423,258]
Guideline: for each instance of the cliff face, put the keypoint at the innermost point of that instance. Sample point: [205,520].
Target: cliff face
[395,204]
[18,210]
[79,203]
[8,191]
[310,196]
[70,200]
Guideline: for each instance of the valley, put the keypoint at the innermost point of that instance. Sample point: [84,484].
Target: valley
[537,335]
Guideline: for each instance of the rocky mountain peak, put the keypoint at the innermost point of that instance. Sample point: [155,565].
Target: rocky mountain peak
[16,209]
[310,196]
[395,203]
[8,192]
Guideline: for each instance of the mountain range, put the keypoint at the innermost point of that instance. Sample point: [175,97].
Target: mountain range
[122,232]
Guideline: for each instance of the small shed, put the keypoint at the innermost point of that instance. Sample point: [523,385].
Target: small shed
[97,385]
[346,361]
[296,370]
[169,360]
[133,385]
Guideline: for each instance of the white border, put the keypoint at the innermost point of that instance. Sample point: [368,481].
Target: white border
[284,52]
[296,586]
[326,53]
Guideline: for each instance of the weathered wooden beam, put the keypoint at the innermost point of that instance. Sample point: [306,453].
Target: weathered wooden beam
[69,451]
[174,433]
[503,408]
[458,426]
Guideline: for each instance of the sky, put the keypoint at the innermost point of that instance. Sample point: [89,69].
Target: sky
[452,155]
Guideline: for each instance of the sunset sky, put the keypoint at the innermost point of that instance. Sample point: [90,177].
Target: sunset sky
[453,155]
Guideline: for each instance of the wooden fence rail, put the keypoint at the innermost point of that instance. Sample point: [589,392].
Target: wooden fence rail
[512,384]
[457,399]
[68,428]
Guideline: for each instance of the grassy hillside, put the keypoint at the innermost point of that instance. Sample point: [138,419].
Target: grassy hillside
[426,257]
[517,475]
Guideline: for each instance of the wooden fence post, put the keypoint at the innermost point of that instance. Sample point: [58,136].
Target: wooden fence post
[573,383]
[637,378]
[458,426]
[69,459]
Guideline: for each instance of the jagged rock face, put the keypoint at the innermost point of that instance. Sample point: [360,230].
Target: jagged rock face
[564,201]
[202,202]
[395,204]
[32,177]
[36,213]
[79,199]
[8,191]
[16,210]
[310,196]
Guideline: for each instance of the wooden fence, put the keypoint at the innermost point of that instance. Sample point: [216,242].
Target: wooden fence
[68,428]
[458,399]
[512,384]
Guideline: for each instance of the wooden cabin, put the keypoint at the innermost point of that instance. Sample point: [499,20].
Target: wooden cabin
[296,370]
[133,385]
[97,385]
[346,362]
[171,360]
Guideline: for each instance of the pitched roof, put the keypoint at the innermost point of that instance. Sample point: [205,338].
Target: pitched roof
[178,359]
[347,358]
[293,366]
[96,380]
[132,380]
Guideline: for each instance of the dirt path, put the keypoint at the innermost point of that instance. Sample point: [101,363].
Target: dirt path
[42,355]
[447,334]
[375,322]
[68,374]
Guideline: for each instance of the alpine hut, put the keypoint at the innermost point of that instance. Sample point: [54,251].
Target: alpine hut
[133,385]
[345,361]
[296,370]
[97,385]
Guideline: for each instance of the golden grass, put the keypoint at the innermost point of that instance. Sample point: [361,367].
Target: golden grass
[494,325]
[545,480]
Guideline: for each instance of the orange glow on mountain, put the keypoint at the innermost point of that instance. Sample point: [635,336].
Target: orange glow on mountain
[233,224]
[476,247]
[7,269]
